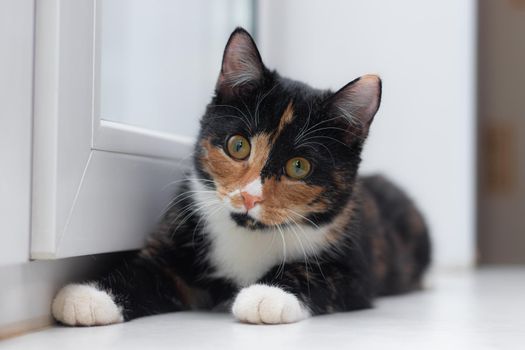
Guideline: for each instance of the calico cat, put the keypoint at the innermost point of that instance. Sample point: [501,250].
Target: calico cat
[272,221]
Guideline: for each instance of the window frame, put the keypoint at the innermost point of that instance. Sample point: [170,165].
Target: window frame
[71,140]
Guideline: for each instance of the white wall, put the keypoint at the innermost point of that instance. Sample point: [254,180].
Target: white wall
[16,79]
[423,135]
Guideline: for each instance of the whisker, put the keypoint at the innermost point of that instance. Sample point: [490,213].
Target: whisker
[312,249]
[325,128]
[238,110]
[304,217]
[326,137]
[327,121]
[305,125]
[192,208]
[203,217]
[186,194]
[320,144]
[280,270]
[260,101]
[185,179]
[218,116]
[305,256]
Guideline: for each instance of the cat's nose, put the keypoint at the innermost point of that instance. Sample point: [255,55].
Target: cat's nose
[250,200]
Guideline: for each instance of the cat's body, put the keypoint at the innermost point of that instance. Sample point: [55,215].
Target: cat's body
[272,220]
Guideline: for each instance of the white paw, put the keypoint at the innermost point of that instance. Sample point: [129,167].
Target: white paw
[260,303]
[85,305]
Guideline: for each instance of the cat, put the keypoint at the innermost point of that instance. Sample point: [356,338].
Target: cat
[272,221]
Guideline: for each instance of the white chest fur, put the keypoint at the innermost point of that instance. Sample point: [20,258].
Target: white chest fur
[243,255]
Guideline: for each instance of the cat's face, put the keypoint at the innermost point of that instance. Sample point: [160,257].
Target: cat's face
[276,151]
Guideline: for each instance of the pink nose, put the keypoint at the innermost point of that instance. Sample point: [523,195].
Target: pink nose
[250,200]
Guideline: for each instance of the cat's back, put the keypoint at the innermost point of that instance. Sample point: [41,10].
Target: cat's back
[398,234]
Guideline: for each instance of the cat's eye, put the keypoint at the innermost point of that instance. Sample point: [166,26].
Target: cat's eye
[298,168]
[238,147]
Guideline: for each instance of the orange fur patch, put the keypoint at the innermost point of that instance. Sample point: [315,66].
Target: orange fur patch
[283,198]
[286,119]
[230,174]
[339,225]
[280,198]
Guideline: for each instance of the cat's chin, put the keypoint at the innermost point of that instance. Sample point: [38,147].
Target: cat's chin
[246,221]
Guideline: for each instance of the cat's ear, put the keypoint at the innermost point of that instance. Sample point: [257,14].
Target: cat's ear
[357,102]
[242,67]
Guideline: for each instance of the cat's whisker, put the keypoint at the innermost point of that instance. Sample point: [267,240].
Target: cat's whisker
[259,103]
[247,109]
[186,179]
[312,248]
[270,245]
[326,121]
[320,144]
[304,217]
[191,213]
[325,128]
[313,128]
[232,116]
[183,211]
[204,217]
[304,254]
[305,125]
[186,195]
[192,208]
[174,202]
[280,270]
[327,137]
[238,110]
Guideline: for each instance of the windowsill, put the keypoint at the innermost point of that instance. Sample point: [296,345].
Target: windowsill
[471,310]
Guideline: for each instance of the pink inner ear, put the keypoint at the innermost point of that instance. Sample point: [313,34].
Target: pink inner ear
[359,101]
[241,63]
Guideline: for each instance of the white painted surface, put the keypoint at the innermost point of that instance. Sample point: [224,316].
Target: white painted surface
[118,203]
[160,60]
[62,114]
[464,310]
[423,134]
[86,201]
[16,84]
[28,288]
[124,138]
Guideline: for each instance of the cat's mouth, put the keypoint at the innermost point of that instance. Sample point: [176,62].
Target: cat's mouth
[247,221]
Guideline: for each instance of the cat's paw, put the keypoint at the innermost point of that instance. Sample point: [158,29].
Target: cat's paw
[85,305]
[260,303]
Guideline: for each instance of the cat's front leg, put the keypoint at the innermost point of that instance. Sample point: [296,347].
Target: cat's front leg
[137,288]
[300,292]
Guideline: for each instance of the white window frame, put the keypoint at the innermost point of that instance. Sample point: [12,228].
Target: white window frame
[74,148]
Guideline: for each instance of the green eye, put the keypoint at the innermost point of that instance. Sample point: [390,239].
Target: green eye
[238,147]
[298,168]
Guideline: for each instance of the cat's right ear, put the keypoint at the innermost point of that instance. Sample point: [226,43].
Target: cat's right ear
[242,68]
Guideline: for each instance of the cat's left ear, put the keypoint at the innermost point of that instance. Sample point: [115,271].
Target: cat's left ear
[242,67]
[357,102]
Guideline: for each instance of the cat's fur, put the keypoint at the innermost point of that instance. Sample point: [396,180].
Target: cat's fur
[329,242]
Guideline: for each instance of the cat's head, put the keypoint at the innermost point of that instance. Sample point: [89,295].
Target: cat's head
[276,151]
